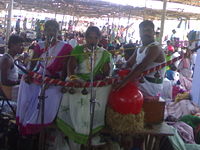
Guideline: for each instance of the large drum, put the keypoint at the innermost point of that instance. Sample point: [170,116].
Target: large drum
[124,113]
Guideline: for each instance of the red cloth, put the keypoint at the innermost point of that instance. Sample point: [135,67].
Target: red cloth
[170,48]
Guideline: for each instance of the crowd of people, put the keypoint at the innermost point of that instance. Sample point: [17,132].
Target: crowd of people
[70,60]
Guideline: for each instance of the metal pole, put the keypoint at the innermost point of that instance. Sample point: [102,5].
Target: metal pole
[8,28]
[127,25]
[62,22]
[56,11]
[92,96]
[42,97]
[163,20]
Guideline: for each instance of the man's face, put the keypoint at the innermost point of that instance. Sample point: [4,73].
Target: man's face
[147,33]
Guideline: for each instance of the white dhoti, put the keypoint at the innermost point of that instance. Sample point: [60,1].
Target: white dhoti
[150,89]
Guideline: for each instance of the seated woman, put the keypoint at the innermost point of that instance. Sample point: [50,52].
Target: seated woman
[28,108]
[74,114]
[185,72]
[9,72]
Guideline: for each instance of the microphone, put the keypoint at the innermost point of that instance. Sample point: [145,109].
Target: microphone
[93,47]
[49,41]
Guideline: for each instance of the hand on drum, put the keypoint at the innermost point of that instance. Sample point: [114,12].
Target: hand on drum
[119,85]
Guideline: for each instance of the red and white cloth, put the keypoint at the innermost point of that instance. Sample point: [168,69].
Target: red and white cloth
[28,110]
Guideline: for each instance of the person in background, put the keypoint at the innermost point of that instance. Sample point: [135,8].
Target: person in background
[185,72]
[72,41]
[172,73]
[32,23]
[173,36]
[17,26]
[8,71]
[157,37]
[104,42]
[2,44]
[169,47]
[24,24]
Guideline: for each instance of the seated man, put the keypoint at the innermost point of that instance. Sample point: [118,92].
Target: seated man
[8,71]
[146,57]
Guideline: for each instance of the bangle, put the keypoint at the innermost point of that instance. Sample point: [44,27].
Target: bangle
[73,77]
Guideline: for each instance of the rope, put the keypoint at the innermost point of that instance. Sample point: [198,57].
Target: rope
[86,53]
[109,81]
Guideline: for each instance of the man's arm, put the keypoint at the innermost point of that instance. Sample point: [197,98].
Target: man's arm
[152,54]
[132,60]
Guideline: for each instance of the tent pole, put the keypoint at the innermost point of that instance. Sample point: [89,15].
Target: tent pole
[8,28]
[129,16]
[163,20]
[63,20]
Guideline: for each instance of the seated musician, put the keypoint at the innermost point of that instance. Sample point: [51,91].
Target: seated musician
[146,57]
[9,72]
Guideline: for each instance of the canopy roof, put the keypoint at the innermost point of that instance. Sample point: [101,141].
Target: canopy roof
[97,8]
[187,2]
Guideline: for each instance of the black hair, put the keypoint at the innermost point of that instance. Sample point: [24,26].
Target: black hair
[51,23]
[157,33]
[173,30]
[146,23]
[14,39]
[168,41]
[93,29]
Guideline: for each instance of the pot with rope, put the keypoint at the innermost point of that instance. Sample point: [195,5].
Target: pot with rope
[124,112]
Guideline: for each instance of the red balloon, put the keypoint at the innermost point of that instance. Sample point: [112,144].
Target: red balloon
[127,100]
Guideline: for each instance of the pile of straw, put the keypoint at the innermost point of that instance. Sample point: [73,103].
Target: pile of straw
[122,124]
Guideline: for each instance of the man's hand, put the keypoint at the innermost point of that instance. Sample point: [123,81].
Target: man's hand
[28,79]
[119,85]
